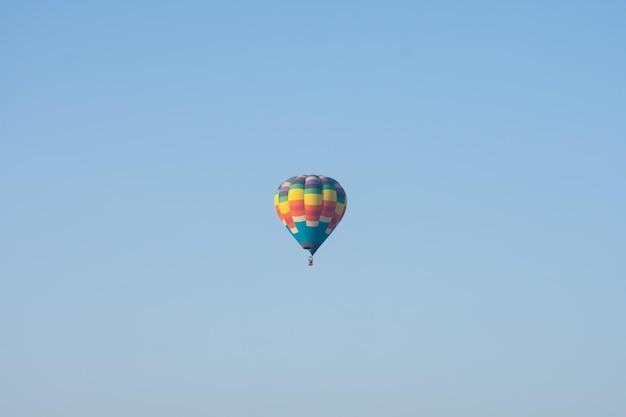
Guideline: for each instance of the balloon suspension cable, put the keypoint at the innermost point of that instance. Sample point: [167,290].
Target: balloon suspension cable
[311,260]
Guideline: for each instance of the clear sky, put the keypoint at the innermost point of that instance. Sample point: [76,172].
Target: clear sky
[479,269]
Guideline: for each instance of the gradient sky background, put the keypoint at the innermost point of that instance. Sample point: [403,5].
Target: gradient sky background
[479,270]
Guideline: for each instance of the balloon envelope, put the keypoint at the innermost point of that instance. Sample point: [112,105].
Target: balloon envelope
[310,206]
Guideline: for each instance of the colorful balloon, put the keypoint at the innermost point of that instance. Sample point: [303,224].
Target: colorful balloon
[310,206]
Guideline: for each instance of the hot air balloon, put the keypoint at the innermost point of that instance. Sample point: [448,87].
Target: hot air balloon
[310,206]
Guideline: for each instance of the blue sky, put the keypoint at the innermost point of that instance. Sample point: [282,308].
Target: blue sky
[478,271]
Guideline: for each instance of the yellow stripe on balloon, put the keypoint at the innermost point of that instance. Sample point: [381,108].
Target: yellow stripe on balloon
[330,195]
[296,194]
[284,207]
[313,199]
